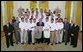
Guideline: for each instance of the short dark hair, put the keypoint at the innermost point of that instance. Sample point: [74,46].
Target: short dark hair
[47,18]
[52,19]
[34,19]
[56,18]
[22,18]
[25,12]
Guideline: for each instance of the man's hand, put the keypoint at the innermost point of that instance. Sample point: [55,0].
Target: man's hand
[9,34]
[72,34]
[19,30]
[28,30]
[64,30]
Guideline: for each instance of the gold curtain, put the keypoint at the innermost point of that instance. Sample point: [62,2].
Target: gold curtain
[79,12]
[33,5]
[67,10]
[45,5]
[1,18]
[9,7]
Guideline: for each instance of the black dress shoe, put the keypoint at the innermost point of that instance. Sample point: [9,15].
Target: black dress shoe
[51,44]
[63,41]
[59,42]
[12,45]
[33,43]
[74,46]
[22,43]
[65,44]
[55,43]
[71,44]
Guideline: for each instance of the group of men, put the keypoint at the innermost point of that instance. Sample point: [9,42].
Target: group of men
[54,30]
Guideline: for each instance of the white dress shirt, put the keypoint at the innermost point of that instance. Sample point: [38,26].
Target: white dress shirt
[57,26]
[32,25]
[61,25]
[52,25]
[21,26]
[26,26]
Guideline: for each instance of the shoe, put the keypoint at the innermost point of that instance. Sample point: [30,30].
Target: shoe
[51,44]
[55,43]
[22,43]
[59,42]
[63,41]
[33,43]
[12,45]
[74,46]
[65,44]
[71,44]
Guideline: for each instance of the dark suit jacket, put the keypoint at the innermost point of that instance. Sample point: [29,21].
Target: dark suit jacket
[8,30]
[71,28]
[76,30]
[66,26]
[38,24]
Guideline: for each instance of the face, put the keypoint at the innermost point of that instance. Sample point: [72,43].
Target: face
[25,20]
[71,21]
[46,20]
[60,20]
[75,23]
[22,20]
[56,20]
[34,21]
[31,21]
[65,20]
[40,20]
[7,22]
[52,21]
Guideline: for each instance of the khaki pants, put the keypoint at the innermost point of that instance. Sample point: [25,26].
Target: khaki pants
[33,39]
[60,35]
[52,37]
[25,37]
[57,36]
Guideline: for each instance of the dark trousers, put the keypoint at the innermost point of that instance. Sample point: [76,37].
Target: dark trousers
[42,38]
[75,40]
[65,34]
[72,40]
[9,40]
[29,37]
[47,40]
[69,35]
[38,40]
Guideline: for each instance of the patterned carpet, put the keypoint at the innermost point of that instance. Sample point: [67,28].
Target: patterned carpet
[40,47]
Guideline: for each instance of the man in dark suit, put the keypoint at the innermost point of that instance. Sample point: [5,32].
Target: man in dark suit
[8,33]
[75,34]
[65,31]
[71,26]
[40,23]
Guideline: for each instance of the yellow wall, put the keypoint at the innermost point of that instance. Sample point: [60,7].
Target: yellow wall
[1,18]
[45,5]
[67,10]
[79,12]
[33,4]
[9,5]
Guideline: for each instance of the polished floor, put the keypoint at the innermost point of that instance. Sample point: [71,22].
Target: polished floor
[40,47]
